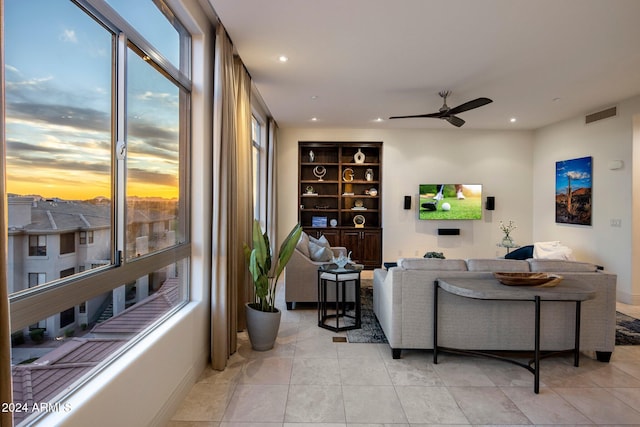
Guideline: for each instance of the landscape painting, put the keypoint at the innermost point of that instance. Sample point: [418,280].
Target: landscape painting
[573,191]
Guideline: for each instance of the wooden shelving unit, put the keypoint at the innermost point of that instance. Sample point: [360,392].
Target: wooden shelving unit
[339,182]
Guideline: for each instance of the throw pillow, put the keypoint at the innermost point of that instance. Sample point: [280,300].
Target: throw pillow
[303,244]
[522,253]
[319,253]
[322,241]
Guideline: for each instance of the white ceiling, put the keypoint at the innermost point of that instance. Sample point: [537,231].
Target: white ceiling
[540,61]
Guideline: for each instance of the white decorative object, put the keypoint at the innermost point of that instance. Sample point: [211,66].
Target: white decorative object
[312,156]
[369,175]
[358,221]
[373,192]
[319,172]
[342,260]
[333,222]
[359,157]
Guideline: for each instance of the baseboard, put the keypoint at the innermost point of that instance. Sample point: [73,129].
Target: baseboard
[177,397]
[626,298]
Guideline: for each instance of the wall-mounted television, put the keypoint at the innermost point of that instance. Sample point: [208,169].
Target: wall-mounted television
[450,201]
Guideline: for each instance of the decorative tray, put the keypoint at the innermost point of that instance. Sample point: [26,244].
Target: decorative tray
[543,280]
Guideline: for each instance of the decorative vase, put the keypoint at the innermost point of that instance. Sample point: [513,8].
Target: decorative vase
[369,175]
[262,327]
[507,241]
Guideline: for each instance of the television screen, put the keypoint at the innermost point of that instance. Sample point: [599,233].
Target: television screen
[450,201]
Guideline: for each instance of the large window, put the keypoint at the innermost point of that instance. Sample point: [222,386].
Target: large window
[97,144]
[259,168]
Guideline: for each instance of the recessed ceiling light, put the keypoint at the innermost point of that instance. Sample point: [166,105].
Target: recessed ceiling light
[512,119]
[283,58]
[314,97]
[379,119]
[314,119]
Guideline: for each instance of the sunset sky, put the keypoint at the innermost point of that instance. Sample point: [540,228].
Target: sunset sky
[58,106]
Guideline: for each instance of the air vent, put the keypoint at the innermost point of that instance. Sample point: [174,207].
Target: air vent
[600,115]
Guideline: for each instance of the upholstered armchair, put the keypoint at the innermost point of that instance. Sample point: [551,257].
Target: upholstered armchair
[301,273]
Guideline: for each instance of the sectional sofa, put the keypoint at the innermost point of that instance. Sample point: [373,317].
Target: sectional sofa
[403,304]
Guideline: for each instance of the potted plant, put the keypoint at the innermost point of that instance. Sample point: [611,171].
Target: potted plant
[263,318]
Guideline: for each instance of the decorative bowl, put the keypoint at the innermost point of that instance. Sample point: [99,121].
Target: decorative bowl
[545,280]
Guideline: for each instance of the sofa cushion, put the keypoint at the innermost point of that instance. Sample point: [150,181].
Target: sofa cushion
[322,241]
[552,250]
[319,252]
[503,265]
[303,244]
[558,266]
[432,264]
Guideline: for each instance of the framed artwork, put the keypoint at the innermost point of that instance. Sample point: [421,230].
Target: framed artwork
[319,221]
[573,191]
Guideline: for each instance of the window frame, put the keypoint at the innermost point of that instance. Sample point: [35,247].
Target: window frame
[28,306]
[37,246]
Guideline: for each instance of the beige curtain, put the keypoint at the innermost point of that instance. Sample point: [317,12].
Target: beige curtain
[232,199]
[6,393]
[244,186]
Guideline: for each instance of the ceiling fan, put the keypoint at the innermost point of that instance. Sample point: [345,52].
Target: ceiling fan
[449,114]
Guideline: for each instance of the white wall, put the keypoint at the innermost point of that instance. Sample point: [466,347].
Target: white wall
[605,140]
[499,160]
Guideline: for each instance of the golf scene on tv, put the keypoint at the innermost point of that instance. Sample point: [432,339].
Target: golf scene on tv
[450,201]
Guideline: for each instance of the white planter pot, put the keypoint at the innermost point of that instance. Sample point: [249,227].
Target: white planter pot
[262,327]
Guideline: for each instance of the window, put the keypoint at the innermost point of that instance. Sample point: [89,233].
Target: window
[83,157]
[259,162]
[36,279]
[86,237]
[37,245]
[67,243]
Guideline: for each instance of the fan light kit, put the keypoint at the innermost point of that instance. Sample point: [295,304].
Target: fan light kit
[449,114]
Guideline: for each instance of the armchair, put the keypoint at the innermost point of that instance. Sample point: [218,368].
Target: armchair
[301,273]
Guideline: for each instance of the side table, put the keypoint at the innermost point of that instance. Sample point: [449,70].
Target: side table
[568,291]
[338,279]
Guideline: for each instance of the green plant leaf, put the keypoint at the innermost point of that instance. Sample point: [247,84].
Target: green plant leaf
[287,248]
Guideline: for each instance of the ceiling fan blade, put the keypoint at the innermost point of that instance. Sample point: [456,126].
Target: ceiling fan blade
[470,105]
[454,120]
[436,115]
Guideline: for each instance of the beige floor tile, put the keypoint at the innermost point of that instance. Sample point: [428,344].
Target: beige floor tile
[364,372]
[316,347]
[358,351]
[205,402]
[315,404]
[600,406]
[316,372]
[457,372]
[430,405]
[487,405]
[544,408]
[418,372]
[257,403]
[372,404]
[274,370]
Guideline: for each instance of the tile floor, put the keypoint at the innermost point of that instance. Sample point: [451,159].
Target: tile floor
[308,380]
